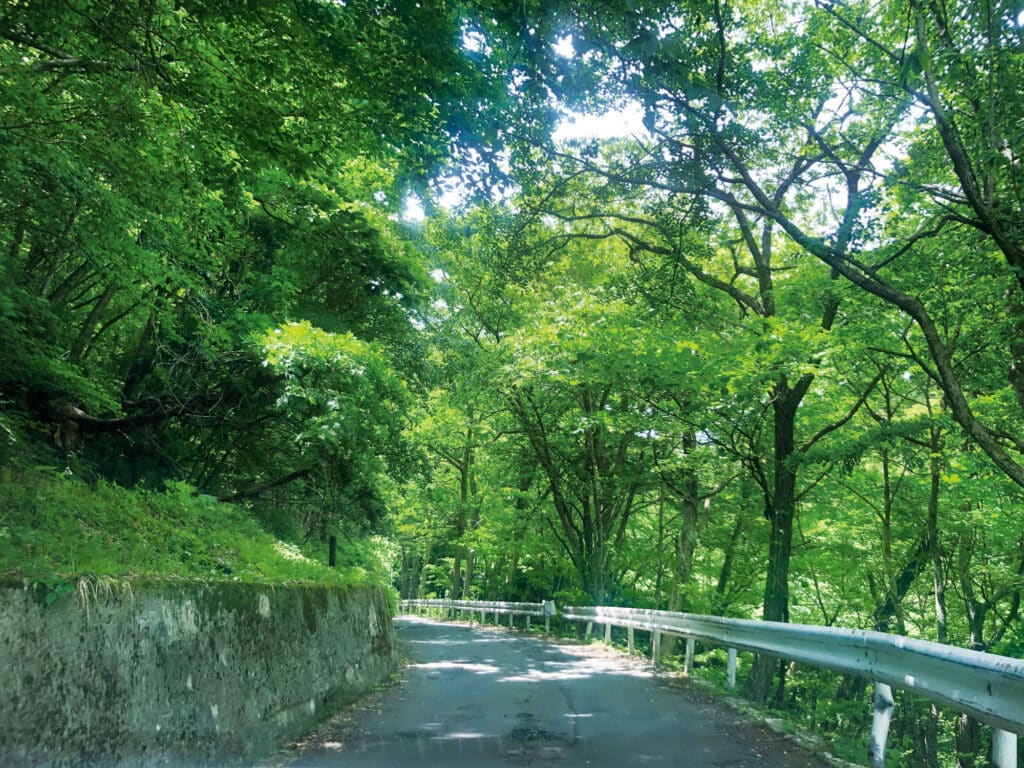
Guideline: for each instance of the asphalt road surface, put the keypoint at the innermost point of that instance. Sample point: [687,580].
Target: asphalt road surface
[491,697]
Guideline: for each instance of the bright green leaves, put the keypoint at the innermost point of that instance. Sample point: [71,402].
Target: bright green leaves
[339,418]
[342,392]
[180,176]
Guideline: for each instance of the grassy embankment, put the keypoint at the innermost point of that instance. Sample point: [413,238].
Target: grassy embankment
[56,528]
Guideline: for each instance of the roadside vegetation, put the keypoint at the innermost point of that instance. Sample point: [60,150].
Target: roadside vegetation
[55,527]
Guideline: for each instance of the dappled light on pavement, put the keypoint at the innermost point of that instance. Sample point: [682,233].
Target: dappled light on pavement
[484,696]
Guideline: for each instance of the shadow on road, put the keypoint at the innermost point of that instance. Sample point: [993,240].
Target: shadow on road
[492,697]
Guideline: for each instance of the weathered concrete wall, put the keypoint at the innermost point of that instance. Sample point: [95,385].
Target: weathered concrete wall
[160,673]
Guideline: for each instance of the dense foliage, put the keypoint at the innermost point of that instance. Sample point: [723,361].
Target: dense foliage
[759,357]
[182,181]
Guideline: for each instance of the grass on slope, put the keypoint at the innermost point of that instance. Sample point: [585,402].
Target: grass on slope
[58,526]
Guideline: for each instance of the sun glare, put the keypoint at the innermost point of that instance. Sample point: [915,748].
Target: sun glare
[615,124]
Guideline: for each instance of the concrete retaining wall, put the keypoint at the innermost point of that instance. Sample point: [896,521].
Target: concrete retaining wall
[157,673]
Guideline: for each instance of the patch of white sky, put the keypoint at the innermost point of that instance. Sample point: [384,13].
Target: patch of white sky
[621,122]
[626,121]
[474,41]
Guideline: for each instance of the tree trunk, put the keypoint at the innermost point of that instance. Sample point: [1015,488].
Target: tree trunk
[140,362]
[89,326]
[520,508]
[59,296]
[510,573]
[968,741]
[411,566]
[19,237]
[894,596]
[930,738]
[781,514]
[594,576]
[721,599]
[660,563]
[421,581]
[934,546]
[968,730]
[62,292]
[460,529]
[685,545]
[466,490]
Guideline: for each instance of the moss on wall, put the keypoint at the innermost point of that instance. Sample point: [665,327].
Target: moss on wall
[156,672]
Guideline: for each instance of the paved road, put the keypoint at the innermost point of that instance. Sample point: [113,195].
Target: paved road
[490,697]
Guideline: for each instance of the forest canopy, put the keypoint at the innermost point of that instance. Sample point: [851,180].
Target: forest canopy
[759,353]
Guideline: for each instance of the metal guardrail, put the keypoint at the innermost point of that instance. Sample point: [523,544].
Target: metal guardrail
[543,610]
[984,685]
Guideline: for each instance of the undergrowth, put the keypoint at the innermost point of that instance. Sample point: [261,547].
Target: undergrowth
[55,526]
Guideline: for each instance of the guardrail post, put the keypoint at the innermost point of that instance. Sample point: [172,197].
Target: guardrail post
[1004,749]
[690,643]
[511,616]
[608,634]
[527,622]
[629,640]
[730,670]
[884,704]
[656,647]
[590,627]
[547,625]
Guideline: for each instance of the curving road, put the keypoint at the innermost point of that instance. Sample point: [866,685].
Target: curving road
[491,697]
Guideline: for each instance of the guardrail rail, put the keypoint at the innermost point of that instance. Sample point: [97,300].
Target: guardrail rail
[984,685]
[543,610]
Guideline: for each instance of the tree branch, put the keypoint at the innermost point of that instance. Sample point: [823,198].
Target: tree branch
[256,490]
[849,415]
